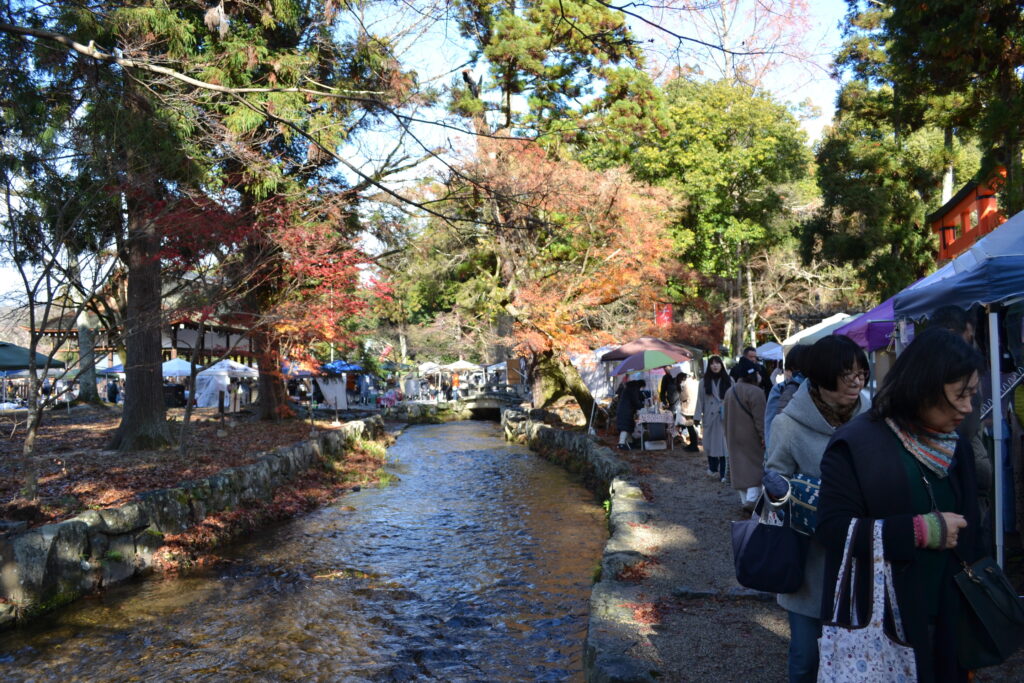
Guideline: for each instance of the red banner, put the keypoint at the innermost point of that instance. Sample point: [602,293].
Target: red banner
[663,315]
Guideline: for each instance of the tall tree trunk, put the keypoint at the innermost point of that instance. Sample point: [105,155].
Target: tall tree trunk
[87,324]
[30,468]
[554,377]
[273,394]
[143,424]
[947,176]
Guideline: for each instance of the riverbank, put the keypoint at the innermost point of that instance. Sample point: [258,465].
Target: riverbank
[667,606]
[123,515]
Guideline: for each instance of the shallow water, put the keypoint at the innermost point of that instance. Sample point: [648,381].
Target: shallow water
[475,565]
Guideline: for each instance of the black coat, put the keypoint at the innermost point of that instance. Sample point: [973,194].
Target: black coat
[669,393]
[630,401]
[863,476]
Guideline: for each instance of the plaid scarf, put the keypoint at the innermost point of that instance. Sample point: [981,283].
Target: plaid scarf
[934,450]
[835,416]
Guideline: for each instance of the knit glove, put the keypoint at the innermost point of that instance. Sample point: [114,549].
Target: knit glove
[929,531]
[775,485]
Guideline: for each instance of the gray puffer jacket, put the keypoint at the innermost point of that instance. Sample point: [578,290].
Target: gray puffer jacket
[797,441]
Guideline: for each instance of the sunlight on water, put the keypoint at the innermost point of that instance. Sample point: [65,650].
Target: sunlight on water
[475,565]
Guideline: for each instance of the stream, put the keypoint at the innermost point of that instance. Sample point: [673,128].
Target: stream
[474,565]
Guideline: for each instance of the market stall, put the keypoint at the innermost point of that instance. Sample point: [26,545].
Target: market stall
[991,275]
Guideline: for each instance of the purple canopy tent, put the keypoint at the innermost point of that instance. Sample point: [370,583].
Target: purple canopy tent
[872,330]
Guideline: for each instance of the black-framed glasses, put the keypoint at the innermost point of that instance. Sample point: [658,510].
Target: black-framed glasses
[854,378]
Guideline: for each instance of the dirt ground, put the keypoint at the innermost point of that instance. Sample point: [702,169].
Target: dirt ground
[76,473]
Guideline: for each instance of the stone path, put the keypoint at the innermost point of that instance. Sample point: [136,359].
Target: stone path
[677,613]
[681,607]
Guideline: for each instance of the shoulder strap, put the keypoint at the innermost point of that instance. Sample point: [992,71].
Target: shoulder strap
[740,403]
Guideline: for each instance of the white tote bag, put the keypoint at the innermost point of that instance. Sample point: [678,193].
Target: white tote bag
[865,653]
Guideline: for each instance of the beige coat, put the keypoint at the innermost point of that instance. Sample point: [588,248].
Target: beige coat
[744,434]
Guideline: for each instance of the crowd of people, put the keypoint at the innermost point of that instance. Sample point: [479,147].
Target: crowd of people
[911,458]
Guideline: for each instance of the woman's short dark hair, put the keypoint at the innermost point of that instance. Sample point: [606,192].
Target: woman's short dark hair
[795,357]
[830,357]
[917,380]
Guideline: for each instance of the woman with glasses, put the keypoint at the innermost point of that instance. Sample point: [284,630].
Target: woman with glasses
[905,464]
[836,371]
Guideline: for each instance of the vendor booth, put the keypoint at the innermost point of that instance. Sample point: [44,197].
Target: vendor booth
[217,378]
[990,275]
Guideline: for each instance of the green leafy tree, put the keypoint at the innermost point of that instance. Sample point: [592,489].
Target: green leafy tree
[970,54]
[730,153]
[568,73]
[881,164]
[252,105]
[877,187]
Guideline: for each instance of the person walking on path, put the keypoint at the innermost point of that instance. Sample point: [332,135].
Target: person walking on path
[836,369]
[685,419]
[744,433]
[904,463]
[713,388]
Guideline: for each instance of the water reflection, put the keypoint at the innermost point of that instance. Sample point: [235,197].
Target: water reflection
[476,565]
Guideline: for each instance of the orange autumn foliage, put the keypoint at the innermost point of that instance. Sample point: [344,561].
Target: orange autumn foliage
[573,241]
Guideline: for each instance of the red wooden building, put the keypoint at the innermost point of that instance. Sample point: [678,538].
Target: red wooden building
[968,216]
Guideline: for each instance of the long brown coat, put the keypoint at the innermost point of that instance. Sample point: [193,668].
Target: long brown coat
[744,434]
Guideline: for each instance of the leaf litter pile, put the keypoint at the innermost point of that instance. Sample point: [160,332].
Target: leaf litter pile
[76,473]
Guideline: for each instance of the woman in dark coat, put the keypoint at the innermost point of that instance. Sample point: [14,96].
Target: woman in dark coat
[877,466]
[630,401]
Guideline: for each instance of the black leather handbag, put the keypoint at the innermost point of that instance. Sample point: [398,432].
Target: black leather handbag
[991,626]
[768,557]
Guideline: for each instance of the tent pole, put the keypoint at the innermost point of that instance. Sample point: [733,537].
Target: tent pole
[997,427]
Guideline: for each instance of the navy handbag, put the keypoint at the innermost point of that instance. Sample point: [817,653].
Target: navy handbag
[768,557]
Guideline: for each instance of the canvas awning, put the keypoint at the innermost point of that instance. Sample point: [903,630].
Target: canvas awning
[14,357]
[648,344]
[770,351]
[230,368]
[815,332]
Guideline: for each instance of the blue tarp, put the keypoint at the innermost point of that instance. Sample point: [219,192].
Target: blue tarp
[992,280]
[339,366]
[112,370]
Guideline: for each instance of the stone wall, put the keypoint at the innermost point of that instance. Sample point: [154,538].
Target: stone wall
[609,641]
[428,413]
[50,566]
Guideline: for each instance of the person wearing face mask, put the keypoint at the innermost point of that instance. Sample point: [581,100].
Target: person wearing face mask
[712,392]
[904,463]
[835,369]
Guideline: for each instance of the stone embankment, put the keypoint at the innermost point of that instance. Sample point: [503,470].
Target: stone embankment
[607,655]
[49,566]
[427,413]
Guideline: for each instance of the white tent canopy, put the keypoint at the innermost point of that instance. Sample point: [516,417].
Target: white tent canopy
[230,368]
[333,389]
[177,367]
[216,378]
[461,366]
[816,332]
[770,351]
[428,368]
